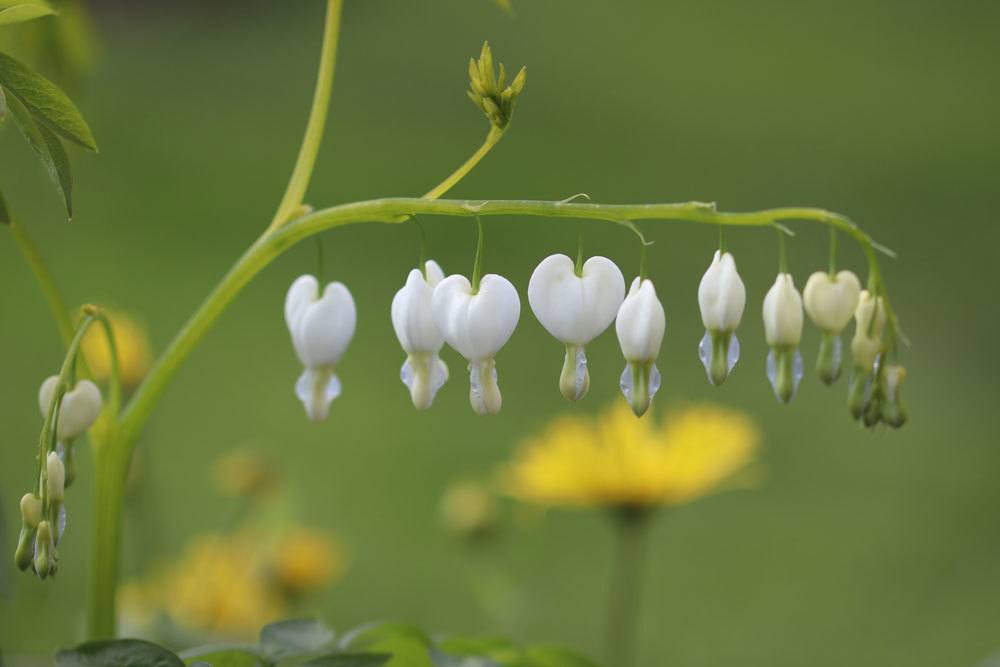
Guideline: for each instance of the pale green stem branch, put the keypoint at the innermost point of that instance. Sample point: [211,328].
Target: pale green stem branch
[302,172]
[492,139]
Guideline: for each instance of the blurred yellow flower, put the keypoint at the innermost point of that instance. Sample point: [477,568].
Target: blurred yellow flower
[229,585]
[132,342]
[242,473]
[617,460]
[468,508]
[306,560]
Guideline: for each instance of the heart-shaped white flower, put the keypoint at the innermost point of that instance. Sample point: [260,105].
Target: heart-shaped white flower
[477,324]
[575,309]
[640,325]
[321,328]
[423,371]
[831,301]
[81,406]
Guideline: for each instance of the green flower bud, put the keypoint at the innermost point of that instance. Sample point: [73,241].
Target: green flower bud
[894,411]
[490,92]
[830,359]
[55,477]
[45,551]
[25,547]
[31,510]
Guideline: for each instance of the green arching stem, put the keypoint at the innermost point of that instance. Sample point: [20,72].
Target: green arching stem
[57,306]
[477,266]
[302,171]
[397,210]
[492,138]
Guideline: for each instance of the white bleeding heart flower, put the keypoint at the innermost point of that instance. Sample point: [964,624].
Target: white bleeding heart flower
[640,325]
[477,324]
[423,371]
[721,299]
[830,302]
[783,321]
[80,408]
[321,327]
[575,309]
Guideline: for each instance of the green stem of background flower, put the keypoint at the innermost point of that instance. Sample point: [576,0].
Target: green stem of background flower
[631,529]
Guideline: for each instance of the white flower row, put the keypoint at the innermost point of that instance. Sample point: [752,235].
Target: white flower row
[575,305]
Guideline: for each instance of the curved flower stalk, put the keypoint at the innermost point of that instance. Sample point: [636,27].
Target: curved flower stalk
[721,299]
[783,331]
[830,301]
[423,372]
[321,327]
[575,306]
[640,325]
[477,323]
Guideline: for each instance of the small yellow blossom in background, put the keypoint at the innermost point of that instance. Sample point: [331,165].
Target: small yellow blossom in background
[132,343]
[306,561]
[468,508]
[242,473]
[227,586]
[616,460]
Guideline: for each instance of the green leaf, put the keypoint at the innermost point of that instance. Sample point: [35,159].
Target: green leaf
[218,656]
[3,107]
[45,101]
[349,660]
[408,644]
[294,637]
[24,12]
[118,653]
[48,148]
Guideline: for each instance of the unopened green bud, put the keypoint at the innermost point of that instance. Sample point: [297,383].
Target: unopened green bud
[31,510]
[45,551]
[873,411]
[55,477]
[490,91]
[894,411]
[829,361]
[574,382]
[858,393]
[25,547]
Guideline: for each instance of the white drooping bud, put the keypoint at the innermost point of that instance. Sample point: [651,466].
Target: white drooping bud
[869,323]
[477,324]
[640,325]
[55,475]
[783,330]
[423,371]
[80,408]
[575,308]
[31,510]
[721,299]
[321,327]
[830,301]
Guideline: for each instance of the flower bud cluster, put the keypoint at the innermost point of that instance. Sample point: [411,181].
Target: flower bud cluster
[490,92]
[68,414]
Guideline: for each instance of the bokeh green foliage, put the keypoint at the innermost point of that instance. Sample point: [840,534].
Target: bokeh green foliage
[867,549]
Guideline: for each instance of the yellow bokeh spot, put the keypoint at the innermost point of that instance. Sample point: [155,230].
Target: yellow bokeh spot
[616,460]
[132,342]
[306,560]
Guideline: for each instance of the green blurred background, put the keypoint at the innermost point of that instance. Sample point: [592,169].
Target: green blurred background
[860,548]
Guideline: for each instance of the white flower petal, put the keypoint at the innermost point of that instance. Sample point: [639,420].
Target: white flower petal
[831,301]
[576,309]
[782,313]
[81,406]
[476,325]
[721,294]
[321,329]
[641,322]
[412,316]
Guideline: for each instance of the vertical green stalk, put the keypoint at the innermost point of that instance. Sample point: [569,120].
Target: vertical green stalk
[477,266]
[631,526]
[111,461]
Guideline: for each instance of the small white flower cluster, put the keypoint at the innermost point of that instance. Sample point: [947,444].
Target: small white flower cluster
[575,303]
[43,513]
